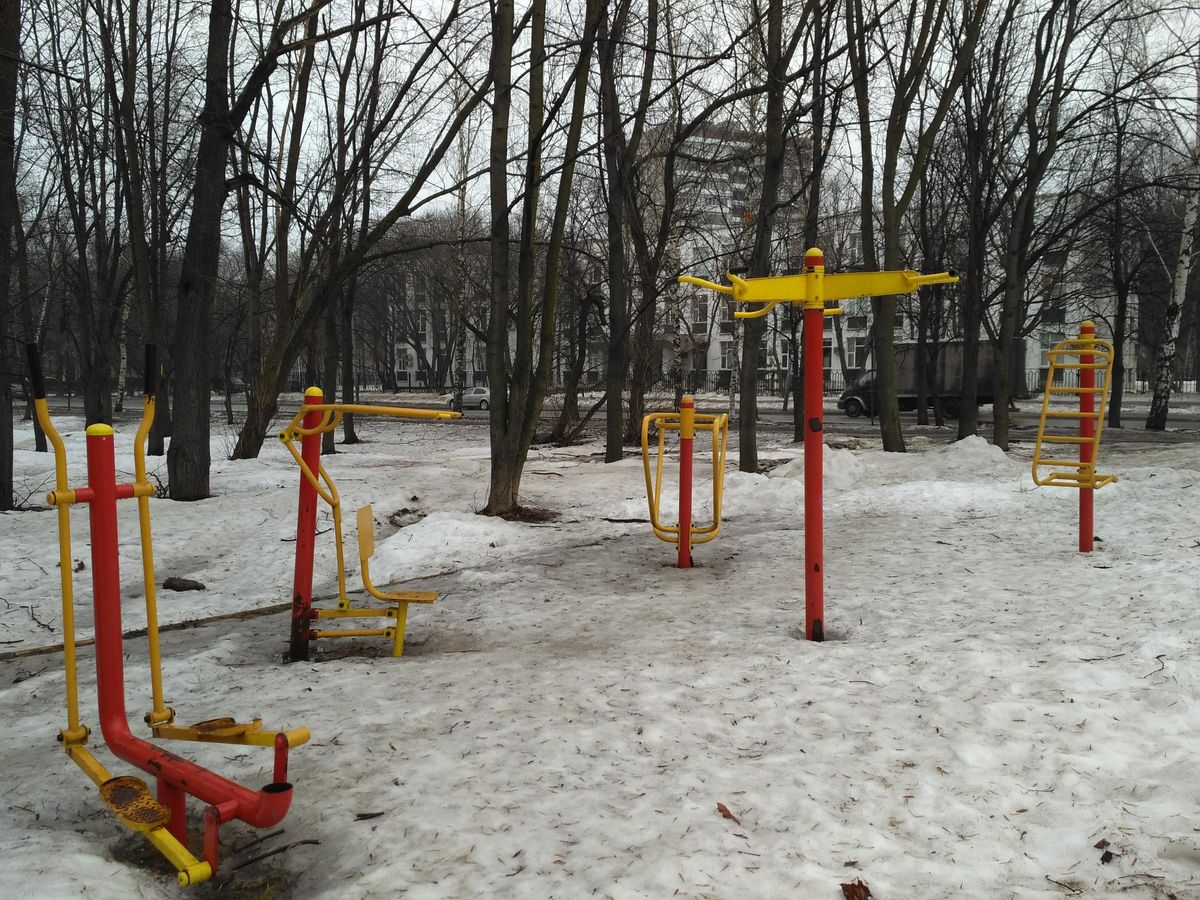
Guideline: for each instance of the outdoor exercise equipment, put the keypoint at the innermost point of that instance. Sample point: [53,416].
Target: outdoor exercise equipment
[687,422]
[163,820]
[1087,355]
[314,418]
[812,290]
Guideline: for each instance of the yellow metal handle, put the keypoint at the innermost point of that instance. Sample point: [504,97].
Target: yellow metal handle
[718,425]
[704,283]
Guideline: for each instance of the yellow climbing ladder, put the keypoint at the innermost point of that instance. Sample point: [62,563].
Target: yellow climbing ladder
[1083,354]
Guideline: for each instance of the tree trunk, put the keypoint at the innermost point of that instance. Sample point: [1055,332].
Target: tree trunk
[642,363]
[923,366]
[346,333]
[760,258]
[10,52]
[32,334]
[1120,323]
[618,303]
[188,459]
[329,371]
[578,362]
[1164,359]
[796,378]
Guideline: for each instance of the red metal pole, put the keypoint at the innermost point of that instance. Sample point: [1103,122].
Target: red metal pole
[306,533]
[1087,429]
[814,403]
[687,434]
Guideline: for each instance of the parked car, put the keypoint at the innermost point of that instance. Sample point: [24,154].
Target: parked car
[473,398]
[861,396]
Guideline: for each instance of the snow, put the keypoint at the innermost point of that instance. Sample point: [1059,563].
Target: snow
[990,704]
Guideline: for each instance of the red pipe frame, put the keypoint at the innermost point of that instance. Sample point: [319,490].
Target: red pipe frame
[176,776]
[1087,429]
[686,440]
[306,533]
[814,438]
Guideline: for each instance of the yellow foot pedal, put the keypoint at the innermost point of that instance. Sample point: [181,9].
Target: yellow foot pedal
[130,799]
[224,727]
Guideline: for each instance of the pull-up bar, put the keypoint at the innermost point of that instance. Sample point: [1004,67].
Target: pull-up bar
[812,290]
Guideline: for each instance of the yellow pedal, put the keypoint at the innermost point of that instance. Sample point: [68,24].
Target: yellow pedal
[130,799]
[225,726]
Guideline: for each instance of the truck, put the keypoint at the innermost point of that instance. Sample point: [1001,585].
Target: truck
[861,396]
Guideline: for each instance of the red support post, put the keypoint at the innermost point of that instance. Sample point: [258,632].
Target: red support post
[306,532]
[1087,430]
[173,797]
[814,411]
[687,434]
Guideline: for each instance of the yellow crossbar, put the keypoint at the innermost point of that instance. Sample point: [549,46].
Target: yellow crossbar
[354,632]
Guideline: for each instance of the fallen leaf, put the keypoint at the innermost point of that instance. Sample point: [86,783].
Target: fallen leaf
[1100,844]
[362,817]
[725,813]
[856,890]
[1106,856]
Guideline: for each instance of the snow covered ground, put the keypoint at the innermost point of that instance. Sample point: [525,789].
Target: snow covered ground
[989,708]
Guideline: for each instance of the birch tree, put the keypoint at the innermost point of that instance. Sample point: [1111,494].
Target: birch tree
[1164,361]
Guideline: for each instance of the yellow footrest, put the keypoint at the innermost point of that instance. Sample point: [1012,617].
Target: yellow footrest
[130,799]
[227,730]
[405,596]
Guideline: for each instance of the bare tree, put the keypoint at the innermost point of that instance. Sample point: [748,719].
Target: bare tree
[519,386]
[909,43]
[10,53]
[1164,361]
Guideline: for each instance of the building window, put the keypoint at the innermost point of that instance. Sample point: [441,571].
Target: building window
[1049,339]
[827,355]
[727,354]
[699,315]
[858,359]
[1054,313]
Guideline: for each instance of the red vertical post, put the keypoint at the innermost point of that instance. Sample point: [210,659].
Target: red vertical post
[1087,430]
[172,796]
[814,404]
[106,597]
[106,570]
[687,435]
[306,531]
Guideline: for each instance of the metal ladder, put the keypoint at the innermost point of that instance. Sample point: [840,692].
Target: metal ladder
[1069,355]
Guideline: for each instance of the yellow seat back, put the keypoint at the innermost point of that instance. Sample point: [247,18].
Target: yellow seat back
[366,533]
